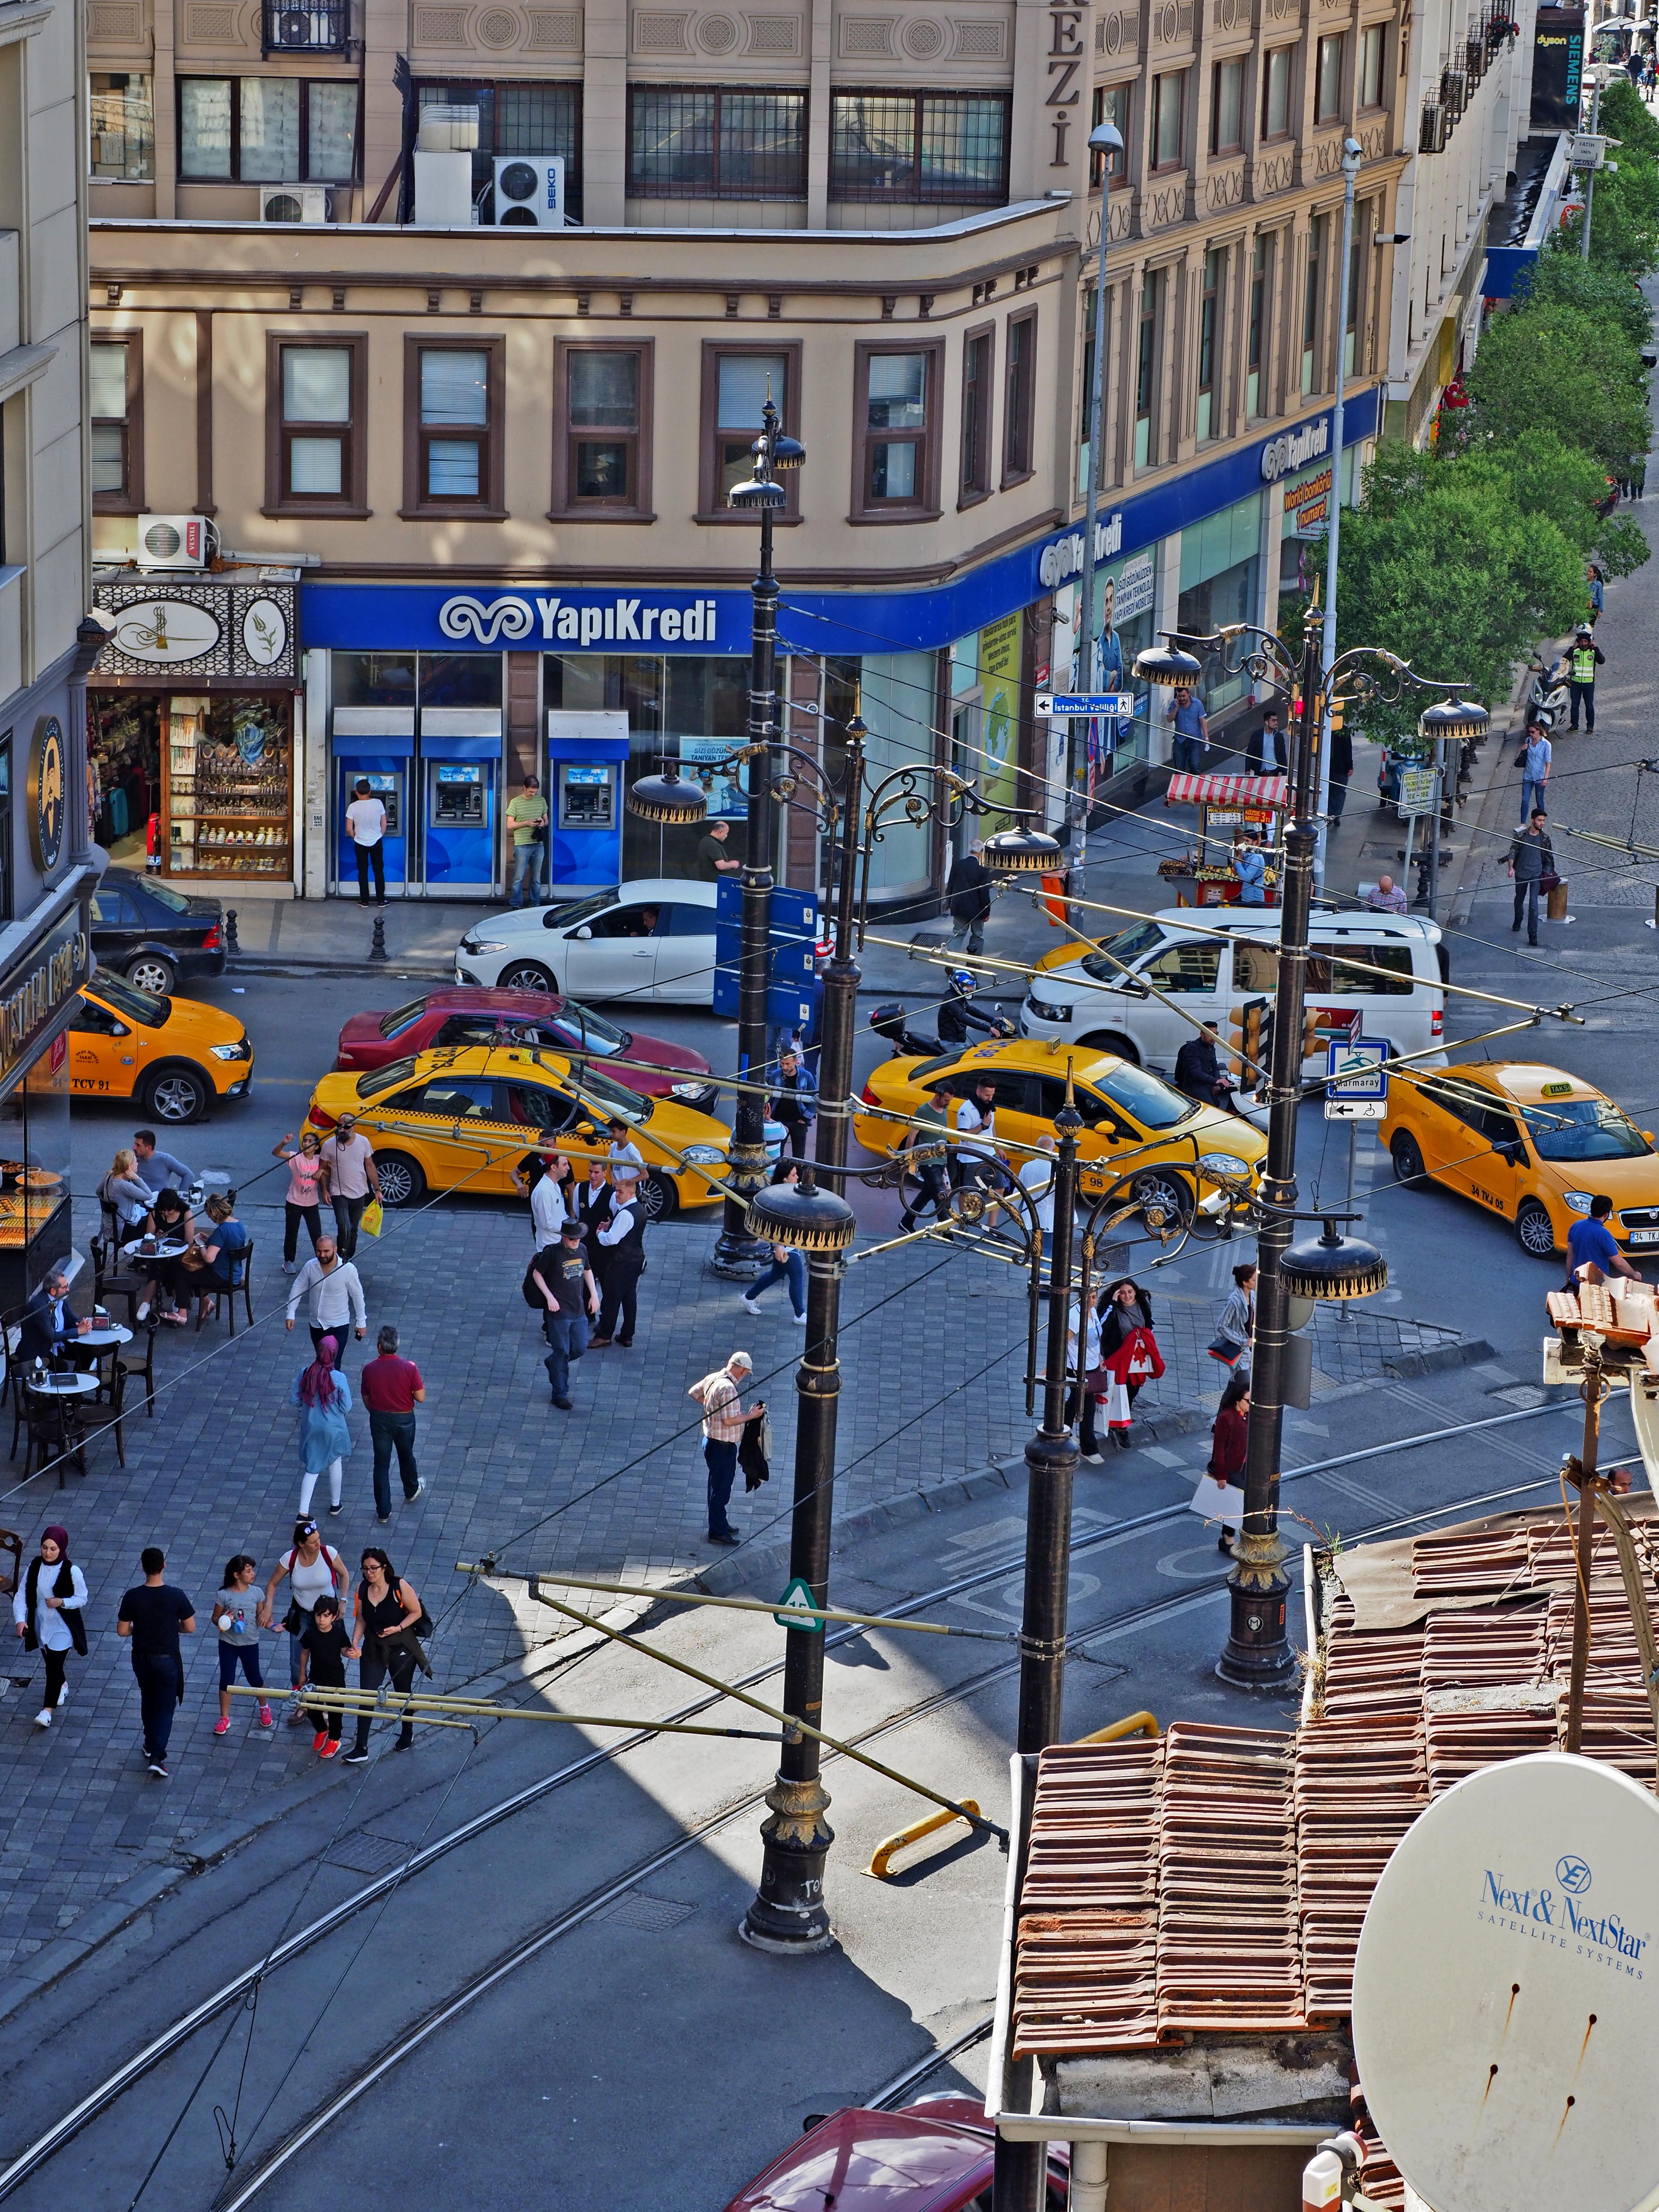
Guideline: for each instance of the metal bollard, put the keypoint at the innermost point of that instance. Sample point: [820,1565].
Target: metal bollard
[233,944]
[377,951]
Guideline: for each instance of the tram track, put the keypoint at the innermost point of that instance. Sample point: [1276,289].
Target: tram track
[152,2054]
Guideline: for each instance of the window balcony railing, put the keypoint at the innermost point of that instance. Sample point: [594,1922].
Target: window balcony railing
[311,27]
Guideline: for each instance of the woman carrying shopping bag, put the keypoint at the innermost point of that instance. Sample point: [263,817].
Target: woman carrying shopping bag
[1129,1357]
[1227,1441]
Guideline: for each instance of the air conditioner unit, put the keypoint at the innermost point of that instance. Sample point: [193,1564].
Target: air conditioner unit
[529,192]
[294,204]
[172,541]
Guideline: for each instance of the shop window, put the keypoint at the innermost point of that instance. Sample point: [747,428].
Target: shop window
[1227,108]
[1110,105]
[117,392]
[1259,264]
[716,142]
[1209,312]
[976,356]
[213,771]
[1169,104]
[1373,45]
[1353,284]
[372,679]
[1152,286]
[1310,287]
[533,119]
[452,427]
[1018,397]
[123,126]
[267,130]
[1221,563]
[736,381]
[895,693]
[7,906]
[460,679]
[927,146]
[316,451]
[602,444]
[1328,83]
[1276,92]
[896,431]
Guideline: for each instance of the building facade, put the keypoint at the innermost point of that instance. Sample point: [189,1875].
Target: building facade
[45,876]
[485,463]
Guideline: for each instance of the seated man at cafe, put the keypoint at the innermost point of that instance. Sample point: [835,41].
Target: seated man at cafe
[48,1329]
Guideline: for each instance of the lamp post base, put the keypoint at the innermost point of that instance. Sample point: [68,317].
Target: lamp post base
[1257,1655]
[740,1259]
[787,1915]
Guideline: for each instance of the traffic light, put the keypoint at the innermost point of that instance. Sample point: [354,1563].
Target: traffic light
[1249,1025]
[1312,1042]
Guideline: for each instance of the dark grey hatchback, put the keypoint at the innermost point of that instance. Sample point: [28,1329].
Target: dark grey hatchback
[153,935]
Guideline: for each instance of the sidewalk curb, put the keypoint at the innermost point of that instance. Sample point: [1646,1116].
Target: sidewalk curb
[27,1978]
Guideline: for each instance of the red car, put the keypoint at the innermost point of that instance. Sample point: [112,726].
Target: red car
[932,2156]
[476,1016]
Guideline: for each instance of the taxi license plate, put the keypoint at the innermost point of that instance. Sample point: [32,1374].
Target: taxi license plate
[1645,1236]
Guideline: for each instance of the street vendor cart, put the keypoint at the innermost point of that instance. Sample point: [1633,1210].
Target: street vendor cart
[1204,876]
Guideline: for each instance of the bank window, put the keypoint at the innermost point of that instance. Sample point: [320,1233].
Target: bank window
[1276,92]
[315,449]
[602,449]
[1111,105]
[537,120]
[1257,338]
[719,141]
[1227,108]
[1328,91]
[896,426]
[949,146]
[454,427]
[1317,230]
[1168,99]
[1146,365]
[123,126]
[1018,397]
[118,444]
[735,384]
[267,130]
[1372,46]
[1209,311]
[976,357]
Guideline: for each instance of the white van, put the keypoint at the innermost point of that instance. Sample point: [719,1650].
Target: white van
[1213,961]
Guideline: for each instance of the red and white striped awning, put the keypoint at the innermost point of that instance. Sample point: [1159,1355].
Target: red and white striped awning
[1227,790]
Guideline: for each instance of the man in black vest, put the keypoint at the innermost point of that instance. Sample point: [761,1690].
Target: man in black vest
[622,1240]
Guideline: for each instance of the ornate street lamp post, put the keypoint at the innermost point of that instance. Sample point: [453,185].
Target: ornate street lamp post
[1257,1655]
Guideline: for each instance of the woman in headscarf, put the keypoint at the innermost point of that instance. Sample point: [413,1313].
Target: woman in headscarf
[49,1608]
[324,1398]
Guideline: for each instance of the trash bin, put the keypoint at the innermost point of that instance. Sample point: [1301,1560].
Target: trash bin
[1555,907]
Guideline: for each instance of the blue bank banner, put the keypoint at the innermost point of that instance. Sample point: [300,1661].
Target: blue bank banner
[443,618]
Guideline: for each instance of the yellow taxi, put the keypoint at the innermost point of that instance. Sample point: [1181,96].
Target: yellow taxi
[464,1120]
[1172,1152]
[1532,1143]
[175,1056]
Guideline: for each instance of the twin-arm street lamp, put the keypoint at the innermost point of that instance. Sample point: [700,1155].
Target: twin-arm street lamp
[1258,1654]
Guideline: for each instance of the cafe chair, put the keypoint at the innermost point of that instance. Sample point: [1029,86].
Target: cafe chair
[54,1435]
[242,1280]
[137,1359]
[110,1278]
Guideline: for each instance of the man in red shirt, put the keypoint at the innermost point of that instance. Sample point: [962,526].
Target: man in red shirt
[392,1388]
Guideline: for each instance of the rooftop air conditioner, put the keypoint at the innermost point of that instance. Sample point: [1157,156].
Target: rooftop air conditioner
[529,192]
[294,204]
[172,541]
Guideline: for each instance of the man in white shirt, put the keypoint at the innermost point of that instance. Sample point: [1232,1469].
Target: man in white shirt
[336,1292]
[1037,1180]
[978,1167]
[366,826]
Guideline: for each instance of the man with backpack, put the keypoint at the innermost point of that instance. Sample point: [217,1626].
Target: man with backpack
[559,1281]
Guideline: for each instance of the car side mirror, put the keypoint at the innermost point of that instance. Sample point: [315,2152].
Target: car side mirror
[1513,1155]
[1133,989]
[1648,1133]
[582,935]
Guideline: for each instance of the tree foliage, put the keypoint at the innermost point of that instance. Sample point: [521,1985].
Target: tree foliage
[1556,369]
[1559,279]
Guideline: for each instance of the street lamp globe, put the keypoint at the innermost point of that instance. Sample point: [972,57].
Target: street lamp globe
[1332,1268]
[669,799]
[1168,665]
[756,494]
[1454,719]
[1106,138]
[1021,852]
[811,1219]
[788,452]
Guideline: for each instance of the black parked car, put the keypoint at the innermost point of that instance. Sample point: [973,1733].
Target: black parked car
[153,935]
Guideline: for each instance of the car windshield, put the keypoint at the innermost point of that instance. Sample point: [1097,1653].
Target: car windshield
[129,1002]
[626,1105]
[579,1026]
[1125,948]
[382,1078]
[1154,1104]
[565,915]
[402,1018]
[1583,1129]
[165,895]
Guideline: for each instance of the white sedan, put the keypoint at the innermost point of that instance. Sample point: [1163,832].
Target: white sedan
[653,938]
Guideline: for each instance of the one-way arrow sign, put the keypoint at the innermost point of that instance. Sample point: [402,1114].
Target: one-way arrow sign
[1056,706]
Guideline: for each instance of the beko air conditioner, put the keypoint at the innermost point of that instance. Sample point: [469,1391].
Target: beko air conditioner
[294,204]
[529,192]
[172,541]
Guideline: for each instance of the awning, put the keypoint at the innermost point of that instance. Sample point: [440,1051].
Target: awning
[1227,791]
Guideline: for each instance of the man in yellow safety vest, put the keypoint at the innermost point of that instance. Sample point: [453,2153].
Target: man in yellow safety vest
[1582,662]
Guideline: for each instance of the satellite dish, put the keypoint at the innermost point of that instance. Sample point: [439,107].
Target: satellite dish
[1506,1993]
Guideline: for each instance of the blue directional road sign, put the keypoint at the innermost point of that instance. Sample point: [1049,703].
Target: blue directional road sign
[1057,706]
[792,964]
[1356,1079]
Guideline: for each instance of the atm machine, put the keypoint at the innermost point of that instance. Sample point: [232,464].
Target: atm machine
[587,770]
[375,744]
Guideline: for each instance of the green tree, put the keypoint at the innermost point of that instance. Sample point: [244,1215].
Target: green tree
[1553,368]
[1566,485]
[1560,279]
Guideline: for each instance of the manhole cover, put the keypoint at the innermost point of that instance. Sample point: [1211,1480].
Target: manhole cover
[366,1853]
[650,1915]
[1523,1395]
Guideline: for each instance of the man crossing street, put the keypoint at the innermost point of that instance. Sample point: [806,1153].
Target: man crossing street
[1532,857]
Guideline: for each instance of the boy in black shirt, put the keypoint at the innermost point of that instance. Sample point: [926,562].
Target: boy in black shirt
[324,1649]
